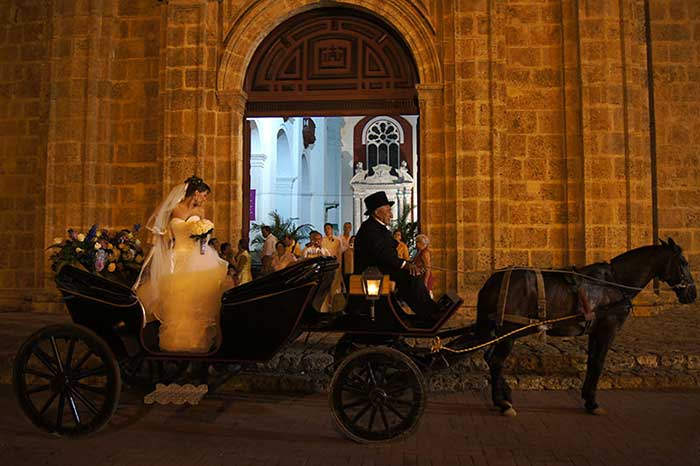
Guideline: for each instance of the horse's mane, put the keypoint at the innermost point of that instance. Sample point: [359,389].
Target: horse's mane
[635,252]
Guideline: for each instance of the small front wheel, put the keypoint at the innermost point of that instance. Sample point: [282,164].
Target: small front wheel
[66,380]
[377,395]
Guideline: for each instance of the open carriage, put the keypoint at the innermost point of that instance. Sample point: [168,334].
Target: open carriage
[68,378]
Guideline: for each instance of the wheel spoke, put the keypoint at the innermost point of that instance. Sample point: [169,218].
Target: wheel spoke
[370,373]
[91,389]
[354,389]
[355,403]
[372,415]
[69,356]
[40,388]
[383,416]
[45,359]
[393,410]
[59,412]
[395,390]
[360,413]
[82,360]
[48,403]
[88,404]
[102,370]
[37,373]
[73,409]
[399,402]
[56,354]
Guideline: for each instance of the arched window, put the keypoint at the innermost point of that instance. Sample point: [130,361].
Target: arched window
[383,138]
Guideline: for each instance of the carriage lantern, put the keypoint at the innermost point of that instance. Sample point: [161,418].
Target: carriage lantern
[372,281]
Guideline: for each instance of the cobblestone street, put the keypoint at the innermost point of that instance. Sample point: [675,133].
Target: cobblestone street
[643,428]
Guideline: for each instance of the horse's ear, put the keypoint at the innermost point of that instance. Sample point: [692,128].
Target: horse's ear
[671,242]
[663,243]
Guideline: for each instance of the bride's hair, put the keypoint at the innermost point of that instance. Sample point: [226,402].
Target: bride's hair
[196,185]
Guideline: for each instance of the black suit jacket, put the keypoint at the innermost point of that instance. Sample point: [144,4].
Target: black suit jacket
[375,246]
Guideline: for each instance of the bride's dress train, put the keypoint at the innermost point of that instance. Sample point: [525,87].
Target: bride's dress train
[190,293]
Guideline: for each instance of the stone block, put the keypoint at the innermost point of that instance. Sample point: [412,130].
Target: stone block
[648,360]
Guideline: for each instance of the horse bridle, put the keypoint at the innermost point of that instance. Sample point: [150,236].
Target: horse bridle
[683,283]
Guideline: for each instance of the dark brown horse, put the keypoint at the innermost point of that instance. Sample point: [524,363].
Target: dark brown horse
[607,289]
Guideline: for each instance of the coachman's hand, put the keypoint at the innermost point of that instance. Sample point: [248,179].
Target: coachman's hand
[413,269]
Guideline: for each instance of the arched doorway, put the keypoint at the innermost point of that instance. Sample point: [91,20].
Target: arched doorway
[330,62]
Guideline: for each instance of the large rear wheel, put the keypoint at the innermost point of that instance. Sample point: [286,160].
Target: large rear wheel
[377,395]
[66,380]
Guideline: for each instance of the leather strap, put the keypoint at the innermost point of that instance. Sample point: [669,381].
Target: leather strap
[503,297]
[541,297]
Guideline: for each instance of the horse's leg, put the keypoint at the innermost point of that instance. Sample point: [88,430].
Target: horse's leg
[500,391]
[599,341]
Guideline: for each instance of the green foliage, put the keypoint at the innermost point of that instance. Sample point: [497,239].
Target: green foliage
[280,227]
[408,229]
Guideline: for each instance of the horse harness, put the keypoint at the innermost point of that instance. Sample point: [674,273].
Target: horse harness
[502,316]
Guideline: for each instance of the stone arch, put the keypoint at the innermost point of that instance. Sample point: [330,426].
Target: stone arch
[261,17]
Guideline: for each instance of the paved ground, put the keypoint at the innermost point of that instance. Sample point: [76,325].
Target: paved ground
[643,428]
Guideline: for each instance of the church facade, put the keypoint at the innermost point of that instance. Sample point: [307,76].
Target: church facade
[542,133]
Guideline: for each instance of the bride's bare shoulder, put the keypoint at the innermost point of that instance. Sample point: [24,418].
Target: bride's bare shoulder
[180,212]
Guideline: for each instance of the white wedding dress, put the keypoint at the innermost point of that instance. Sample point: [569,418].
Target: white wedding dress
[190,293]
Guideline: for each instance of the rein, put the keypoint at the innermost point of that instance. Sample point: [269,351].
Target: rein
[683,284]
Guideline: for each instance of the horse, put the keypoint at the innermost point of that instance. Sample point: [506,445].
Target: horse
[604,289]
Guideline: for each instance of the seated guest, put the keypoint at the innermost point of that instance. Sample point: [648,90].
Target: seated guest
[282,258]
[242,263]
[401,247]
[314,248]
[214,244]
[375,247]
[422,261]
[292,246]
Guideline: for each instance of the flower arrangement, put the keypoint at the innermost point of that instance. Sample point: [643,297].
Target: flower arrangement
[201,229]
[116,255]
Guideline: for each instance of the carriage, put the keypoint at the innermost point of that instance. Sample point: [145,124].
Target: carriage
[68,378]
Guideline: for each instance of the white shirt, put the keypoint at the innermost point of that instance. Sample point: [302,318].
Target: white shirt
[269,245]
[314,251]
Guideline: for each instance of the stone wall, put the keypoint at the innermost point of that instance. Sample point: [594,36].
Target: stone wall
[676,57]
[534,141]
[25,29]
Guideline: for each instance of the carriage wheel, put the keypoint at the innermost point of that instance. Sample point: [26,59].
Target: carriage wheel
[66,380]
[377,394]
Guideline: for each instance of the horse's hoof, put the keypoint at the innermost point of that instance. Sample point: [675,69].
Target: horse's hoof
[597,411]
[509,412]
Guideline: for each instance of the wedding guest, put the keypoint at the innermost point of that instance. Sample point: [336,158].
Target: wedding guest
[292,246]
[332,244]
[349,261]
[214,244]
[423,262]
[226,252]
[282,258]
[314,248]
[268,249]
[345,237]
[401,247]
[242,263]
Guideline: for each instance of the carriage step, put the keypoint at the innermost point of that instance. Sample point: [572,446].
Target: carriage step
[176,394]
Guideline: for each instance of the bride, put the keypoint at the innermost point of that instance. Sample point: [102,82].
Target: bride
[183,278]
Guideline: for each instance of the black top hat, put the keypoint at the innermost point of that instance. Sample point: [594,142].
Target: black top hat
[375,201]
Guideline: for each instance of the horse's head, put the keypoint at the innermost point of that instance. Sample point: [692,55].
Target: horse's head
[677,273]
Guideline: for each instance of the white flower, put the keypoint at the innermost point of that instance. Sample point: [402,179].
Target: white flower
[81,237]
[57,241]
[78,249]
[98,245]
[137,242]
